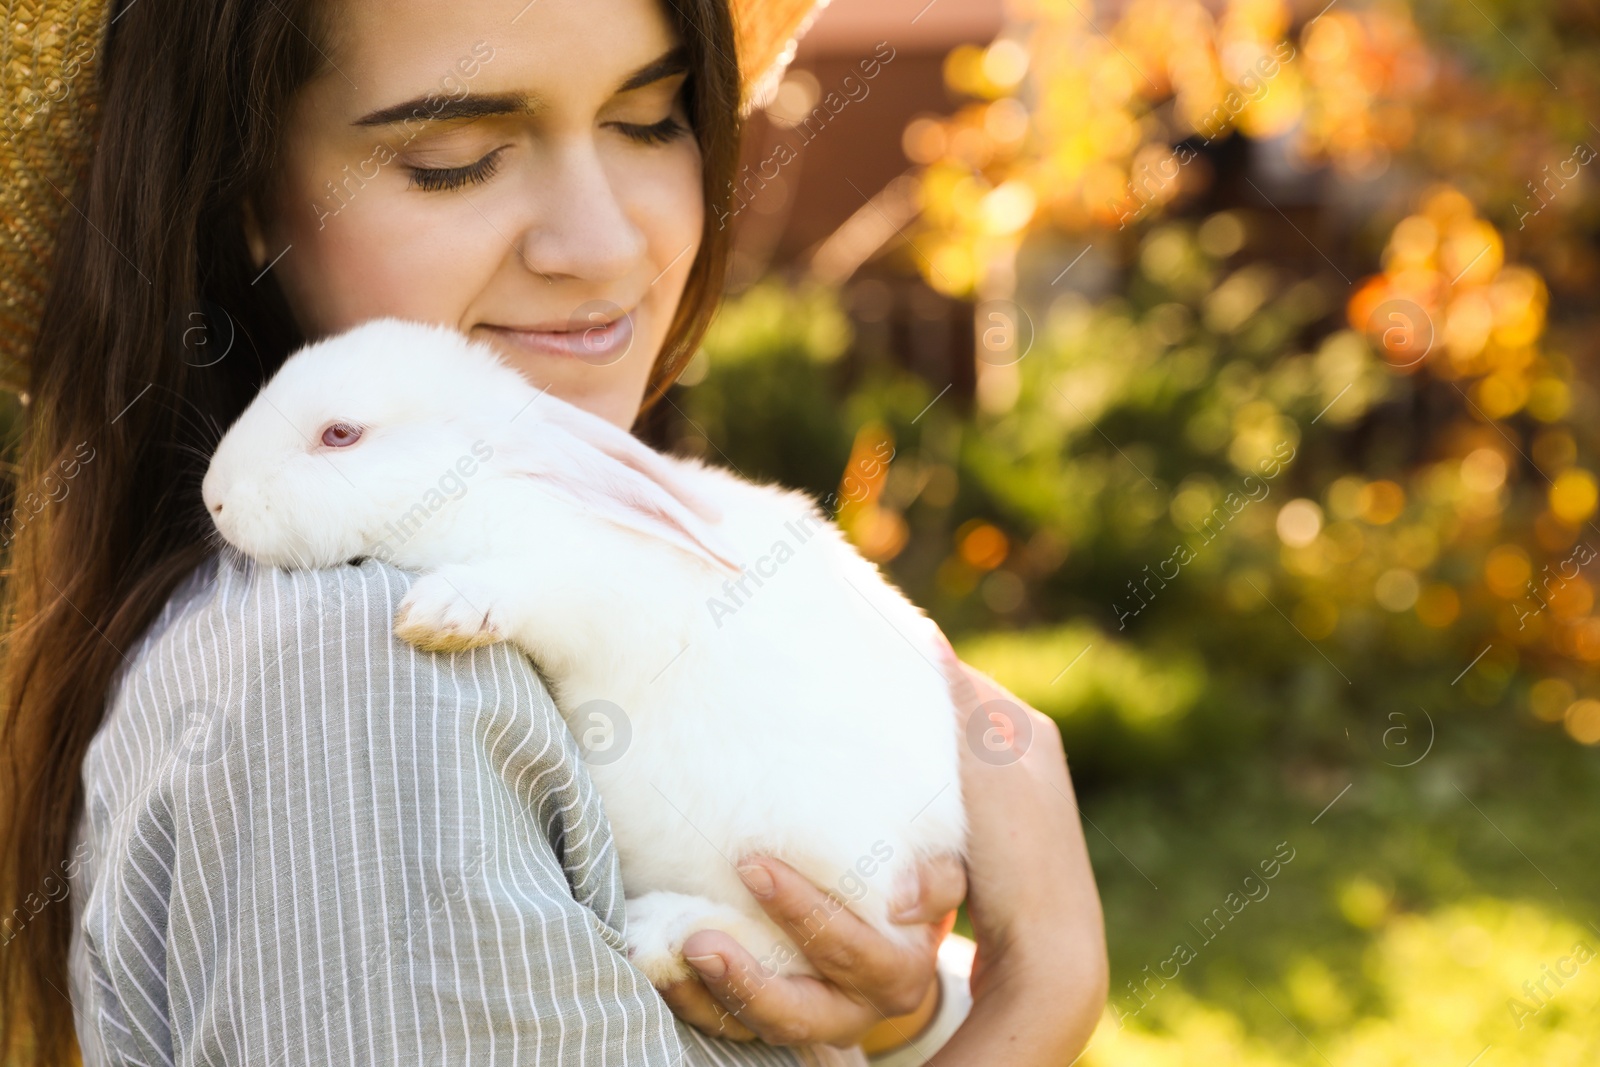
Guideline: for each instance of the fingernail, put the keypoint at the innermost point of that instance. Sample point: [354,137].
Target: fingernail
[757,879]
[907,910]
[710,966]
[907,899]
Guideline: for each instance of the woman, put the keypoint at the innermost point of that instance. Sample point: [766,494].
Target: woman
[291,837]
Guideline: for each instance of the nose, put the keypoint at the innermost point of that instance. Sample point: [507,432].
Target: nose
[581,228]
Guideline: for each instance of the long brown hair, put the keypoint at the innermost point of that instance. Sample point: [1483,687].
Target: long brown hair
[151,278]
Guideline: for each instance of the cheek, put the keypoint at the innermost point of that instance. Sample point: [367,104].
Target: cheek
[676,200]
[371,247]
[668,205]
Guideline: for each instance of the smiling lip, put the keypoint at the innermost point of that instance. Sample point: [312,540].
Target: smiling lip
[603,342]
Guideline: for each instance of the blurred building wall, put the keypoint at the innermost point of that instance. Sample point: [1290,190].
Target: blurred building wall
[824,190]
[842,159]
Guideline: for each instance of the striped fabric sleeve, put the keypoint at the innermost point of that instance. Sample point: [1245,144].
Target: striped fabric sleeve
[307,842]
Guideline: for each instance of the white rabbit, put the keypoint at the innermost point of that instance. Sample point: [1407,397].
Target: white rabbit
[740,678]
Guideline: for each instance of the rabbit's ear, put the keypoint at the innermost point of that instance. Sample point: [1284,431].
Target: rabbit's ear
[628,450]
[615,477]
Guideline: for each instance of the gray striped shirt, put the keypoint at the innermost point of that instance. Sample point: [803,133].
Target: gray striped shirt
[307,842]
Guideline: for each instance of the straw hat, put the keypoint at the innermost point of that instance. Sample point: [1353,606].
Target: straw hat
[49,59]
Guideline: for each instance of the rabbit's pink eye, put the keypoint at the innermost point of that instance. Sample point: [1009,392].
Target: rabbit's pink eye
[341,435]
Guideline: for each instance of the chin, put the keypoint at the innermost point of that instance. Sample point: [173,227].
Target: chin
[618,406]
[619,409]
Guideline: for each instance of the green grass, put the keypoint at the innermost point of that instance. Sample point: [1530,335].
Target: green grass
[1410,916]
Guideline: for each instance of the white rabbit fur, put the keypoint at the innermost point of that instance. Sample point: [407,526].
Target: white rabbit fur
[806,717]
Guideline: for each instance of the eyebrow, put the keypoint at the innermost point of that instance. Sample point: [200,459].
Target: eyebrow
[668,65]
[435,108]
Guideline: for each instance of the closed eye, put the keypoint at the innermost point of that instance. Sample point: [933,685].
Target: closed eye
[431,179]
[666,131]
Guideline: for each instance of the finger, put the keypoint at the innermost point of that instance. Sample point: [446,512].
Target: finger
[892,977]
[942,885]
[692,1002]
[778,1010]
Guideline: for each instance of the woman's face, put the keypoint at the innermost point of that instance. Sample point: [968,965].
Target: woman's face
[522,170]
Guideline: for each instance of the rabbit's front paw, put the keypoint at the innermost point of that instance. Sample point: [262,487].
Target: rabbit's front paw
[451,610]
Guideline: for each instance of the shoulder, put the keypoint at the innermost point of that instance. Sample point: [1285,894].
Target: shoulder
[239,649]
[229,633]
[233,635]
[227,611]
[257,681]
[275,702]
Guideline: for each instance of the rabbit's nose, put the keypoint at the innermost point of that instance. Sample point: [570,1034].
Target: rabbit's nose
[216,509]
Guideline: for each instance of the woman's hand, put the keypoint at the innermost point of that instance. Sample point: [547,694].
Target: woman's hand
[874,991]
[1040,978]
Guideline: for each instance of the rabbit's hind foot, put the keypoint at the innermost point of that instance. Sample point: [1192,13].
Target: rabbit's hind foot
[658,924]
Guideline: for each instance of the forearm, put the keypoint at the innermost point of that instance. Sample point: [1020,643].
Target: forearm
[1041,977]
[1027,1016]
